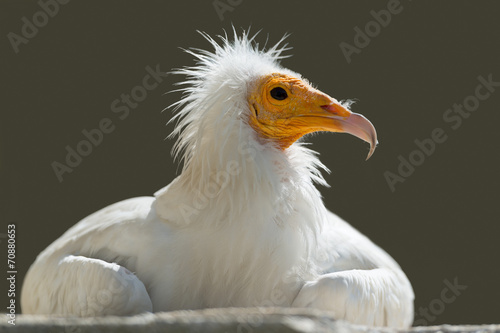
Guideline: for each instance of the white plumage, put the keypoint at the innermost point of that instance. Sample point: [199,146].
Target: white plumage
[243,224]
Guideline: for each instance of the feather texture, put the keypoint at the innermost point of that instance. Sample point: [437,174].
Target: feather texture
[242,225]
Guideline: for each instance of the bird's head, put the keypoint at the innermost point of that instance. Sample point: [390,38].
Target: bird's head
[240,93]
[284,108]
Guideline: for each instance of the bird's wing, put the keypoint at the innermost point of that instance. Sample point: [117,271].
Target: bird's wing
[342,247]
[86,287]
[90,269]
[375,297]
[360,282]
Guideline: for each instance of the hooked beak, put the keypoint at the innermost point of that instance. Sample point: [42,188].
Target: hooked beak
[338,119]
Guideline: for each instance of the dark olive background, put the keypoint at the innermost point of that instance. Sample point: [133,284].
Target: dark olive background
[441,223]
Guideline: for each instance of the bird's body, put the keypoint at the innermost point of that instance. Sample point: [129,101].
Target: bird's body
[243,224]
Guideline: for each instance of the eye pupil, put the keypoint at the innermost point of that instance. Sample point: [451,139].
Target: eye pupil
[279,93]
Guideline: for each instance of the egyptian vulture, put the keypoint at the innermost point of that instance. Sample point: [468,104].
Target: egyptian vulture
[243,224]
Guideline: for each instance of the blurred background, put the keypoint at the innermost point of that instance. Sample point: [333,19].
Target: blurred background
[406,63]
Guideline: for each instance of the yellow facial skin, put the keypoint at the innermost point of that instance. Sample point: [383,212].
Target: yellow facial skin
[300,109]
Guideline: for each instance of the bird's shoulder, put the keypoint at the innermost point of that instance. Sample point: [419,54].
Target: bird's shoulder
[343,247]
[120,227]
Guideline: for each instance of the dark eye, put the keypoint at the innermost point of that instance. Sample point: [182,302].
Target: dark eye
[279,93]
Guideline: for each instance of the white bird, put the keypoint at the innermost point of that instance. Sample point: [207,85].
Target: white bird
[243,224]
